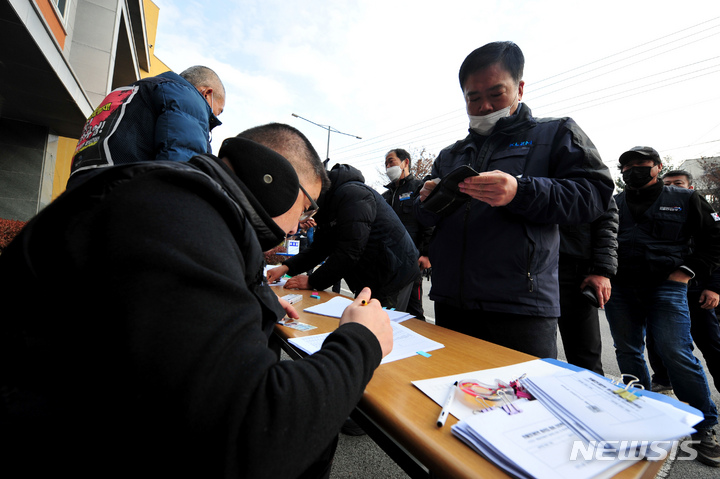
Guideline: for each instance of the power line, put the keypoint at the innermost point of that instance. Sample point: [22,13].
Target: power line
[418,131]
[632,56]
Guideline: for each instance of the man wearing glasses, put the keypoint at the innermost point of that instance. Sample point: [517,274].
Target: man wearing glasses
[359,239]
[162,366]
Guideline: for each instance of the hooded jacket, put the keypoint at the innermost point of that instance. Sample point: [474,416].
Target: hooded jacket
[360,238]
[505,259]
[136,340]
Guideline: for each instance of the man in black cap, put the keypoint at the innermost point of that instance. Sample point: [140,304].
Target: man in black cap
[649,291]
[160,366]
[702,300]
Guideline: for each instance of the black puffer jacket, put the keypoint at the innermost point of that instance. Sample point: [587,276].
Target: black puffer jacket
[136,340]
[362,238]
[593,245]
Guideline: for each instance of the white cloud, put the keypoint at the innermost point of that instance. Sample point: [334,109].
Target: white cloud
[387,70]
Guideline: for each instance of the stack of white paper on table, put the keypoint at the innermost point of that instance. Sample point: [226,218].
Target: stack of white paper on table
[590,406]
[545,441]
[335,307]
[406,343]
[532,444]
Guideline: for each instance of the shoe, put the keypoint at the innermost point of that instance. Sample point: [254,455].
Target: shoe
[661,388]
[707,447]
[351,428]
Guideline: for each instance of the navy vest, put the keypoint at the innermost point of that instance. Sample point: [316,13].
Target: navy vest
[658,241]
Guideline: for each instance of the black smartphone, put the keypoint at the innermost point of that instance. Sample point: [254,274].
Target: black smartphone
[589,293]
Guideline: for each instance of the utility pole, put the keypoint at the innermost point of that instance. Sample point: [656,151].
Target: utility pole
[329,129]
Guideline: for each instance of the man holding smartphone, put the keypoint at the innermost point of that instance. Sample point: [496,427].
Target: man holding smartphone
[495,252]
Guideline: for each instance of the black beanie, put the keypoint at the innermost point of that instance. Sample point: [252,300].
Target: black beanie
[266,173]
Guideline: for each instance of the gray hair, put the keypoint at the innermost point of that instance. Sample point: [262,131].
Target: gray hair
[200,76]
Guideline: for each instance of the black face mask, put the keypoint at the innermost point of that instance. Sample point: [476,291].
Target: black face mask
[637,176]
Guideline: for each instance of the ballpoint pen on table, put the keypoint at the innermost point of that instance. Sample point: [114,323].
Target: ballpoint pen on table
[446,408]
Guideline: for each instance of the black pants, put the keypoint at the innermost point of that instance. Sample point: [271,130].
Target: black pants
[322,467]
[415,304]
[529,334]
[578,322]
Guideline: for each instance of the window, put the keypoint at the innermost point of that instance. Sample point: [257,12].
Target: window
[60,5]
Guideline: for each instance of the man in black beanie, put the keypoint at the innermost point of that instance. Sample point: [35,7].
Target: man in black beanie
[136,340]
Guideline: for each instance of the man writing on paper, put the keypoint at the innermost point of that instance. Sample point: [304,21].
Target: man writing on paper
[495,247]
[667,237]
[161,365]
[360,239]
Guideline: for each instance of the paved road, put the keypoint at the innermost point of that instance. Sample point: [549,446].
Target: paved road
[359,457]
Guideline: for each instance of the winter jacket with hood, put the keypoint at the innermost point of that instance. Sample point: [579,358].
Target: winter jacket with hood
[360,238]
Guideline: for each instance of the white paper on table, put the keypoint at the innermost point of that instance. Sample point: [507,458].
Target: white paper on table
[586,399]
[437,388]
[533,443]
[335,307]
[406,343]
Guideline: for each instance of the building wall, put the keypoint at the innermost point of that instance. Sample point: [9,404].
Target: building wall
[152,15]
[66,146]
[23,147]
[54,20]
[61,172]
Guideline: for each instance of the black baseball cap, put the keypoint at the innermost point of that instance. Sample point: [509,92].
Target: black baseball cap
[640,152]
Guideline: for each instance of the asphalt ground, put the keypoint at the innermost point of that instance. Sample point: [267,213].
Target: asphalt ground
[360,457]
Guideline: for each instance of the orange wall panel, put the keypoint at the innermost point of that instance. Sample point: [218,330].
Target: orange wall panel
[54,22]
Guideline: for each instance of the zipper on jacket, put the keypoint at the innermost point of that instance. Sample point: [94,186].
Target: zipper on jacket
[464,249]
[531,253]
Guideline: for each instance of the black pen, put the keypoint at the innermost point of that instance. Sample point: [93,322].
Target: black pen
[446,408]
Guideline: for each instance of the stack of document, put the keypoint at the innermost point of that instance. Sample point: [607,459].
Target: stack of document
[593,409]
[406,343]
[579,428]
[533,444]
[335,307]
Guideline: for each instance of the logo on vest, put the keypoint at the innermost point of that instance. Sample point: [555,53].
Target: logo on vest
[520,143]
[716,217]
[671,208]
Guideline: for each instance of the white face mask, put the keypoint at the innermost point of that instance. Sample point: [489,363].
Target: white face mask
[394,173]
[483,125]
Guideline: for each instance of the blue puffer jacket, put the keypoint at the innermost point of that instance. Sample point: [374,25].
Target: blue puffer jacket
[158,118]
[505,259]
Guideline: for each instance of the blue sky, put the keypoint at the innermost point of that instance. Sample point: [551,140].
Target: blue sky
[629,72]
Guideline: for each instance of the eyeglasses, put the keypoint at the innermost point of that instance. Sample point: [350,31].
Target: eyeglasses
[309,213]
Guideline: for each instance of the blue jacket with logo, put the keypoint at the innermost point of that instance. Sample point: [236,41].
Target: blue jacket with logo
[505,259]
[162,118]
